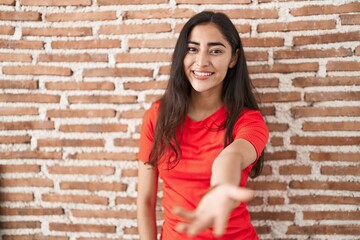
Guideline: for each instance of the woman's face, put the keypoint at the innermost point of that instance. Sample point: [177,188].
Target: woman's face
[208,58]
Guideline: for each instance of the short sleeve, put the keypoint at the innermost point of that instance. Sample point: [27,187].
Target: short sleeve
[147,133]
[251,127]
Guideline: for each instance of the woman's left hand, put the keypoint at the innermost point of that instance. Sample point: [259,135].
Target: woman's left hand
[213,210]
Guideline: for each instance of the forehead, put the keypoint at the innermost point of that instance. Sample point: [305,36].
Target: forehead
[208,32]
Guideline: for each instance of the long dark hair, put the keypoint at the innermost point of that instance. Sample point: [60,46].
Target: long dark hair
[236,93]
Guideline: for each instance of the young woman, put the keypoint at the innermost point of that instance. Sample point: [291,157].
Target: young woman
[203,139]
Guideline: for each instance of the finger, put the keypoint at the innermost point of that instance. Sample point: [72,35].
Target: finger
[198,226]
[181,212]
[241,194]
[181,227]
[220,223]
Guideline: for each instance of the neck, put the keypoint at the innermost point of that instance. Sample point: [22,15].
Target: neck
[202,106]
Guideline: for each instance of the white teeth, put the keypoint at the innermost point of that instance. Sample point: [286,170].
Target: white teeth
[203,74]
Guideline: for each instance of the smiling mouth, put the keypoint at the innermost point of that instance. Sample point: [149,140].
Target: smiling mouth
[202,74]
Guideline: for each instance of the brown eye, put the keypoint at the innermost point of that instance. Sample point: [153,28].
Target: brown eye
[191,50]
[216,51]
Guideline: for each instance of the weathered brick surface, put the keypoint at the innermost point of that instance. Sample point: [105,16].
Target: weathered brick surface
[81,16]
[7,30]
[20,16]
[76,77]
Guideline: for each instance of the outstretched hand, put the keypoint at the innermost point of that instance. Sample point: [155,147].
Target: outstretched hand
[213,210]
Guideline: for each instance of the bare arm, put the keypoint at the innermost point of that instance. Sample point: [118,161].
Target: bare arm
[146,201]
[216,206]
[231,161]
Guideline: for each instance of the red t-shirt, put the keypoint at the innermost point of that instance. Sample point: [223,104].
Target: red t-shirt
[201,143]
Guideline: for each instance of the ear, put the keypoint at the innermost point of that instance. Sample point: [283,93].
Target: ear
[234,59]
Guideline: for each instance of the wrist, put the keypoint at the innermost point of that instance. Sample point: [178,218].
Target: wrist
[226,188]
[212,187]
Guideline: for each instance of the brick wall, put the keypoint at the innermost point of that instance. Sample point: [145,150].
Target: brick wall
[77,75]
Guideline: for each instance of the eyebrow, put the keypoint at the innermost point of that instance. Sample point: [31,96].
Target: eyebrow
[209,44]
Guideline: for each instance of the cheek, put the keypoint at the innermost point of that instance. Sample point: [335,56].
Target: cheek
[223,67]
[187,61]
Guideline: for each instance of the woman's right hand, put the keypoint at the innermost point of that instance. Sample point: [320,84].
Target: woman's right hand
[213,210]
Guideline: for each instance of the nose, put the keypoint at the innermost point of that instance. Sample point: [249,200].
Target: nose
[202,59]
